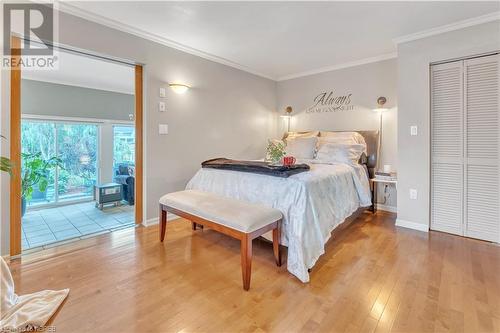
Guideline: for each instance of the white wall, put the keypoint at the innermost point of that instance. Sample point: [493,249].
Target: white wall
[414,59]
[227,112]
[366,83]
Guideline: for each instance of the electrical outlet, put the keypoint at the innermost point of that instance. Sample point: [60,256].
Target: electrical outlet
[413,130]
[413,194]
[161,106]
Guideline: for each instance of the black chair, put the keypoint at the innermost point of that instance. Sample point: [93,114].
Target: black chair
[126,179]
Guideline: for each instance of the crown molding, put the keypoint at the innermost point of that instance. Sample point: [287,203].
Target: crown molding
[75,11]
[495,16]
[364,61]
[65,7]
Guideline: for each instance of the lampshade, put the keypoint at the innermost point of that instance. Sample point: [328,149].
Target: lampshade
[380,109]
[179,88]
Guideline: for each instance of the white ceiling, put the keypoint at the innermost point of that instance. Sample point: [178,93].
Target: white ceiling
[282,39]
[88,72]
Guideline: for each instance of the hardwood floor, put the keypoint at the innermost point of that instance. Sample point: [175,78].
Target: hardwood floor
[374,277]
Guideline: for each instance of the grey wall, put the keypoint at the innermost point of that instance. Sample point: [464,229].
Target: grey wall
[51,99]
[227,112]
[414,59]
[366,83]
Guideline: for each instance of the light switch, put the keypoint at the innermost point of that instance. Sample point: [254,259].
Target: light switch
[161,106]
[163,92]
[163,129]
[413,194]
[413,130]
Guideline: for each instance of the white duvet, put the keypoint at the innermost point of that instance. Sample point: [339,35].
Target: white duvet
[313,203]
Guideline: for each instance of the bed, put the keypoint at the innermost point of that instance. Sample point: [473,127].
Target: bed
[313,203]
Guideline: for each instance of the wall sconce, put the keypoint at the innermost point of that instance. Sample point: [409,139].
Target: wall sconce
[288,116]
[179,88]
[380,109]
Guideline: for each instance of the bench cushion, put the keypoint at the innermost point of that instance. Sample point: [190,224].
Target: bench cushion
[235,214]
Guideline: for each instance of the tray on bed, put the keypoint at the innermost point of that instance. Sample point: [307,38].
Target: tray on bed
[259,167]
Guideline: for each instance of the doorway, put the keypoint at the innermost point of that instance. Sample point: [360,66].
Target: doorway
[94,156]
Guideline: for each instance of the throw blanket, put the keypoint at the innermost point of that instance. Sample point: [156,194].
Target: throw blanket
[259,167]
[27,312]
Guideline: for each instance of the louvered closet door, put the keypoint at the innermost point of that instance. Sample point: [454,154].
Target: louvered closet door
[482,116]
[447,149]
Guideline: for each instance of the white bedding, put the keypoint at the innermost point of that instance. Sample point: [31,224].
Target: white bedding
[313,203]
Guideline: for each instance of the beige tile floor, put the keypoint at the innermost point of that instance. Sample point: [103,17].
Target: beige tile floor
[47,226]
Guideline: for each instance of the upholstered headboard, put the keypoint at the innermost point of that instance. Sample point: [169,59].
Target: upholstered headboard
[372,144]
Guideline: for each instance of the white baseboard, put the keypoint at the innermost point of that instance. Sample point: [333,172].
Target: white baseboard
[155,220]
[412,225]
[392,209]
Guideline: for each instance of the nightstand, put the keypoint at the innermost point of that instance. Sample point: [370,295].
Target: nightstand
[373,187]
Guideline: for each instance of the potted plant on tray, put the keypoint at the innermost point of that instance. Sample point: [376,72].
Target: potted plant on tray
[35,172]
[275,152]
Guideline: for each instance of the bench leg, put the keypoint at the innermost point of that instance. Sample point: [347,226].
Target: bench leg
[246,261]
[276,244]
[163,223]
[195,225]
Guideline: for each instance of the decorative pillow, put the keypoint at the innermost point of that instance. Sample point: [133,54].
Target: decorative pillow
[311,134]
[339,153]
[343,138]
[303,148]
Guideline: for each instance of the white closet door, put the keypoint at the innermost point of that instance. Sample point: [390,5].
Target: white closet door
[447,147]
[482,124]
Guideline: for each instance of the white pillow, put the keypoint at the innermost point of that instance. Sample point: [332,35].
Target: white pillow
[339,153]
[343,138]
[293,135]
[303,148]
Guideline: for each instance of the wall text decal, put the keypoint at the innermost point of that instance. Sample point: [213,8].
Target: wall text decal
[329,102]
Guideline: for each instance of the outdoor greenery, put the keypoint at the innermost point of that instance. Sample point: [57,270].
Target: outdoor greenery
[5,163]
[123,145]
[275,151]
[35,172]
[76,148]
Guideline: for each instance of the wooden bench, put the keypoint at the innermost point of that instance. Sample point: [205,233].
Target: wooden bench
[235,218]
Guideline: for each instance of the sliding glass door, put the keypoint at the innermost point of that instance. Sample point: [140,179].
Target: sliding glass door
[123,145]
[40,137]
[76,144]
[77,148]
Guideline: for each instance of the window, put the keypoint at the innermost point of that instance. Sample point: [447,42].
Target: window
[77,147]
[40,137]
[76,144]
[123,145]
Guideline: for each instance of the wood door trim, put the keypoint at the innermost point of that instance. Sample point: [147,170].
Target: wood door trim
[138,144]
[15,148]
